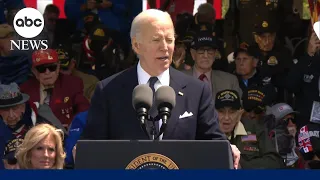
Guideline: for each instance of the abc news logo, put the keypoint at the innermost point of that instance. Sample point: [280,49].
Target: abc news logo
[28,23]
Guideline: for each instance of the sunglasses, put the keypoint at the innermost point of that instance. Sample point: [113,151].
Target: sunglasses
[43,68]
[256,110]
[290,119]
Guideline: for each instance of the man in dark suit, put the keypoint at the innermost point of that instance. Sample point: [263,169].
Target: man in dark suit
[111,115]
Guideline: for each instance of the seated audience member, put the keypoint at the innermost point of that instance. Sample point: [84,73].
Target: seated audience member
[255,102]
[15,65]
[17,116]
[179,54]
[246,61]
[62,93]
[309,145]
[257,150]
[50,16]
[68,67]
[42,148]
[284,131]
[203,49]
[103,53]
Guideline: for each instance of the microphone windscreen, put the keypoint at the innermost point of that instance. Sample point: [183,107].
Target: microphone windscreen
[165,96]
[142,96]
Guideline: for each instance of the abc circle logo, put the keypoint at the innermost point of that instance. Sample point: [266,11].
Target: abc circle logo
[28,22]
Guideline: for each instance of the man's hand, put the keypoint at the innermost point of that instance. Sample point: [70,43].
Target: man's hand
[236,155]
[314,44]
[177,61]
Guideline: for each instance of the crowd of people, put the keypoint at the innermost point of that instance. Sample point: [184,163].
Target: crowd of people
[247,87]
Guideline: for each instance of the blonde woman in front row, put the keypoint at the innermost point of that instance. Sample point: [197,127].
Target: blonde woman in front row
[42,148]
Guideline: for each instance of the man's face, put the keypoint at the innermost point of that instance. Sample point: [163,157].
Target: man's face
[155,46]
[290,121]
[179,49]
[203,57]
[254,114]
[228,119]
[47,74]
[12,115]
[50,20]
[245,64]
[265,41]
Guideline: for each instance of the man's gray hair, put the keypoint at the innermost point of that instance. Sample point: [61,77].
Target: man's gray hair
[143,18]
[206,8]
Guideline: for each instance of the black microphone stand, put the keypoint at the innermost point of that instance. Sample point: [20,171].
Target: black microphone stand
[153,127]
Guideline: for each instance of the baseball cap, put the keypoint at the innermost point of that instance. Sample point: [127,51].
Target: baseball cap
[280,110]
[99,33]
[204,38]
[6,31]
[251,51]
[10,150]
[309,141]
[41,57]
[257,97]
[227,98]
[265,24]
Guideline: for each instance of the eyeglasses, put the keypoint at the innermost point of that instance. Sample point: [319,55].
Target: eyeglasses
[43,68]
[209,51]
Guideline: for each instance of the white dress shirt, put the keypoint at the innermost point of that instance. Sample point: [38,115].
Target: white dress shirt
[163,80]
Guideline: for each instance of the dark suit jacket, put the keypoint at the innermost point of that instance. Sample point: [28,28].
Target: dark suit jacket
[221,81]
[67,97]
[111,115]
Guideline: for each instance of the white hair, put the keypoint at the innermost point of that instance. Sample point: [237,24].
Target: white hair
[206,8]
[144,18]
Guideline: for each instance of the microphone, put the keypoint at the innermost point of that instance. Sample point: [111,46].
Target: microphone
[165,102]
[142,99]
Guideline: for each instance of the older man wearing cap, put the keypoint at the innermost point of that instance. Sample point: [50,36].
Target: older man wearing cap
[203,50]
[275,61]
[17,116]
[62,93]
[246,62]
[257,150]
[284,131]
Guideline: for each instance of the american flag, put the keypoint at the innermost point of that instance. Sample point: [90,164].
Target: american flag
[250,137]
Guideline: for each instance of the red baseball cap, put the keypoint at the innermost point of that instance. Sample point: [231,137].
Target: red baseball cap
[47,56]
